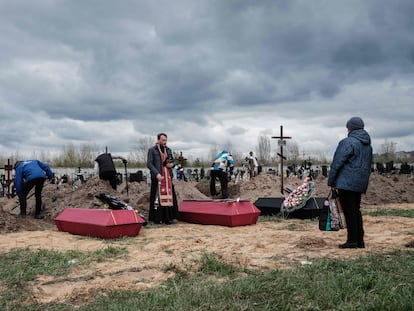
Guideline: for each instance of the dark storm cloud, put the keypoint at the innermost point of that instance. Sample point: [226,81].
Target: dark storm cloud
[148,66]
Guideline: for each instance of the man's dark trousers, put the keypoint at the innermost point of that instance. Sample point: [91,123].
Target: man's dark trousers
[27,186]
[222,176]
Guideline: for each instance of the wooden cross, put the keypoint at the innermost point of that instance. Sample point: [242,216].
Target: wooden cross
[281,143]
[8,168]
[181,159]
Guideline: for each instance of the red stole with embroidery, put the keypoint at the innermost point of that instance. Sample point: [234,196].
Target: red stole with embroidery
[165,185]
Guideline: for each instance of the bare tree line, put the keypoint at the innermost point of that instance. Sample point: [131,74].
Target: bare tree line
[85,154]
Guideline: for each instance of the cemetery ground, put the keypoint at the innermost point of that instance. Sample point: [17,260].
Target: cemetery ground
[277,264]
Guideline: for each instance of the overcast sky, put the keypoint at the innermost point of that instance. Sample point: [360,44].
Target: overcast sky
[205,72]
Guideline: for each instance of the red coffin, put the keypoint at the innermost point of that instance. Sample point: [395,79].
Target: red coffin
[231,214]
[101,223]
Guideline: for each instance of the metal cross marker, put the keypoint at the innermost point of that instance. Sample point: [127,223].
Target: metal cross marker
[281,142]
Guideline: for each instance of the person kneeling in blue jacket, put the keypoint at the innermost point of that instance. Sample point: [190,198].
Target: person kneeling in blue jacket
[29,174]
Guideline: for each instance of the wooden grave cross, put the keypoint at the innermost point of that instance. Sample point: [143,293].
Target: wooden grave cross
[281,143]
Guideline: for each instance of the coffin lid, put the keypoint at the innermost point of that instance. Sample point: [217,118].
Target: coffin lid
[100,217]
[218,207]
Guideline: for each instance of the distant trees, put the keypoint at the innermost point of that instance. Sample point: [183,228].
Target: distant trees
[292,151]
[87,154]
[214,150]
[263,150]
[84,155]
[387,150]
[213,153]
[13,158]
[197,163]
[144,143]
[70,156]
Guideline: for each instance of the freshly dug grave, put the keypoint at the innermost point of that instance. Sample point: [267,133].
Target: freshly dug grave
[58,197]
[382,190]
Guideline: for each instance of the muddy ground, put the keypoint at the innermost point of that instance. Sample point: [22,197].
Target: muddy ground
[382,190]
[266,245]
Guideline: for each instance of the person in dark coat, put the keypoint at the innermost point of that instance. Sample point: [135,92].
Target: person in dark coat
[157,212]
[349,174]
[29,174]
[106,168]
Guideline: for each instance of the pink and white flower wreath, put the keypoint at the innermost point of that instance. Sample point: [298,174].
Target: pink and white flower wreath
[298,197]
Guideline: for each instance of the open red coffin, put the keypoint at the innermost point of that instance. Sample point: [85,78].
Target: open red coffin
[231,214]
[101,223]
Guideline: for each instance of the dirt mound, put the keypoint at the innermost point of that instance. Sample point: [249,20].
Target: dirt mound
[389,189]
[311,242]
[188,191]
[204,188]
[264,185]
[12,223]
[381,189]
[58,197]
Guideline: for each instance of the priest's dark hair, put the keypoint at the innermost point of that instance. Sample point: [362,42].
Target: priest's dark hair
[161,134]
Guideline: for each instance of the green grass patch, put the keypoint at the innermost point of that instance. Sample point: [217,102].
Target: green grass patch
[409,213]
[380,282]
[213,264]
[372,283]
[22,265]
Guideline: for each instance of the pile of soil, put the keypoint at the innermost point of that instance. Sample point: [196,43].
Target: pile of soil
[389,189]
[233,189]
[381,190]
[58,197]
[311,242]
[188,191]
[12,223]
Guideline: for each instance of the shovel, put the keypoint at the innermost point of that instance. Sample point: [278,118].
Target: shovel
[126,179]
[29,196]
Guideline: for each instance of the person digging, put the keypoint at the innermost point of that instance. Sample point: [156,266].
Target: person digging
[31,174]
[105,167]
[223,164]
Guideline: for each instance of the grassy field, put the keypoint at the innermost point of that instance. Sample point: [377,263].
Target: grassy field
[381,282]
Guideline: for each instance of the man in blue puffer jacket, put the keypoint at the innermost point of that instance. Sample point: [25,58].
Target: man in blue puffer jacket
[29,174]
[219,169]
[350,171]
